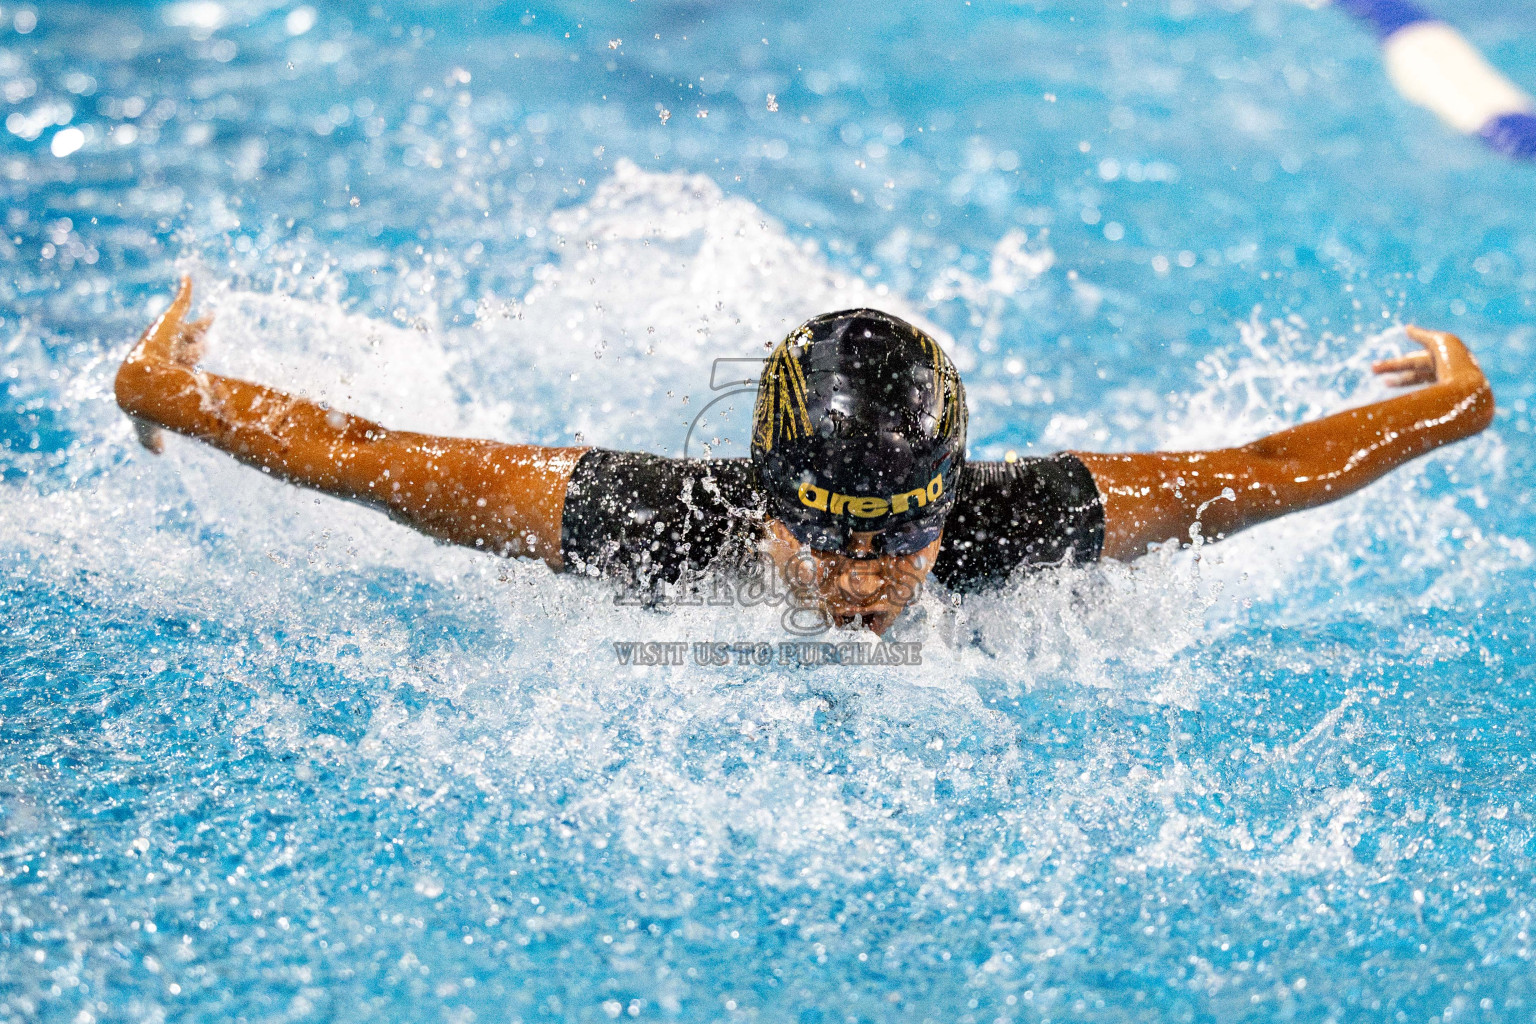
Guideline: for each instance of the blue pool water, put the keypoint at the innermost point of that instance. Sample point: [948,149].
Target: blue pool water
[265,757]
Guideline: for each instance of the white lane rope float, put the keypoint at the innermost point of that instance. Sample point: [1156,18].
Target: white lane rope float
[1433,65]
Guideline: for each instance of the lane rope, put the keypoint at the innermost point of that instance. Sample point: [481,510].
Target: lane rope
[1433,65]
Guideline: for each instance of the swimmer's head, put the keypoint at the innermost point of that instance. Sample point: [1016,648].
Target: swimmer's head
[858,436]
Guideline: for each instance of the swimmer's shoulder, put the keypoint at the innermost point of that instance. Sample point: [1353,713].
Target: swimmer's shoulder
[642,516]
[1015,512]
[603,470]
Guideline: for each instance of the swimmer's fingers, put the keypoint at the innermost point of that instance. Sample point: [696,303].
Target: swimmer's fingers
[1453,360]
[170,339]
[1449,352]
[1431,339]
[158,343]
[1405,371]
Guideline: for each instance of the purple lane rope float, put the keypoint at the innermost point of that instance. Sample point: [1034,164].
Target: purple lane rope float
[1433,65]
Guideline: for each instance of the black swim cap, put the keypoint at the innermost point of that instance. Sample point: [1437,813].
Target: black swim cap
[859,425]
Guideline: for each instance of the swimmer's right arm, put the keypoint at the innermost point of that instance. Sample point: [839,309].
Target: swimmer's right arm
[502,498]
[1154,496]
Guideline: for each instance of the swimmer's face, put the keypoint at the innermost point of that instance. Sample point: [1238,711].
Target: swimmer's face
[854,583]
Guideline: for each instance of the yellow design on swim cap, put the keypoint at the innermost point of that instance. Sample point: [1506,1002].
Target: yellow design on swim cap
[781,401]
[948,379]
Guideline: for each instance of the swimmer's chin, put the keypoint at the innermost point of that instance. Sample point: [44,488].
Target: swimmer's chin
[876,622]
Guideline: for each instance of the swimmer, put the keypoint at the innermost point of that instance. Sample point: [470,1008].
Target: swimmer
[858,484]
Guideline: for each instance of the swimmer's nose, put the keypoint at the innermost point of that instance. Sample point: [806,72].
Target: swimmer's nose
[861,545]
[858,581]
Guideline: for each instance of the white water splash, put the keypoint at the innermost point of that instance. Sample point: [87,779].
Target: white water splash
[688,767]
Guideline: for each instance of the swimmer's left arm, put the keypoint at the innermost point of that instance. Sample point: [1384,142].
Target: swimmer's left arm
[498,497]
[1154,496]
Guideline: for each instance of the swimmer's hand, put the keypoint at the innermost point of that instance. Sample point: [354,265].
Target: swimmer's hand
[1445,357]
[169,341]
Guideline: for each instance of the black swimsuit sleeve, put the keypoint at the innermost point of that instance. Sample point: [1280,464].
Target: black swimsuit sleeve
[1029,512]
[646,519]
